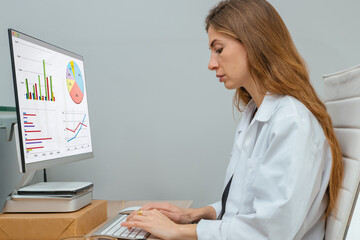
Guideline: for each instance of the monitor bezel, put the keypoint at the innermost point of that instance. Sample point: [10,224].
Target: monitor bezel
[27,167]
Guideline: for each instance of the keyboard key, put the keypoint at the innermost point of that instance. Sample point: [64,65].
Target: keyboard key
[115,229]
[119,231]
[134,232]
[126,233]
[142,234]
[111,227]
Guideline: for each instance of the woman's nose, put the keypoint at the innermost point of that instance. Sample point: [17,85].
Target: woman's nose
[213,64]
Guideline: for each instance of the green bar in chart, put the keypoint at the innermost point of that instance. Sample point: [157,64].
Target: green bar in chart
[39,94]
[27,89]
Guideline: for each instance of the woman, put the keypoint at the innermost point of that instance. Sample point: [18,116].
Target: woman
[286,166]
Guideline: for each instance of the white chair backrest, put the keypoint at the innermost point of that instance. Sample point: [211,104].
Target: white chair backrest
[342,100]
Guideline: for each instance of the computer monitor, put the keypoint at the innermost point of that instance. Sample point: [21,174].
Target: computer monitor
[51,102]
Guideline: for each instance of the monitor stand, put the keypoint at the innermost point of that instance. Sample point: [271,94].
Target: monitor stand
[46,204]
[47,196]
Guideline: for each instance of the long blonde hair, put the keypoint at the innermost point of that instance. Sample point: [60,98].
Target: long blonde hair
[276,66]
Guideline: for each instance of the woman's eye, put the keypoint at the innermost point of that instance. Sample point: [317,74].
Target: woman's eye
[218,51]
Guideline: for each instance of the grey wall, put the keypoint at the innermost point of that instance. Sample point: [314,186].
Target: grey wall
[162,125]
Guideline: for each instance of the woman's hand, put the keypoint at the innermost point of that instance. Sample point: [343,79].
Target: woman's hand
[174,213]
[158,224]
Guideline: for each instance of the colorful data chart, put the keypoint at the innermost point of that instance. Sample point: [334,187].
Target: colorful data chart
[75,82]
[34,139]
[46,94]
[76,130]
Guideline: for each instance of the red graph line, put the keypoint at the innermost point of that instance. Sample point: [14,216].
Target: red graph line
[76,127]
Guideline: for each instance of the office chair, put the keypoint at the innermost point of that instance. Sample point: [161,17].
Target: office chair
[342,100]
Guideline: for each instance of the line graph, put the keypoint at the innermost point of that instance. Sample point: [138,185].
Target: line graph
[80,124]
[76,130]
[76,127]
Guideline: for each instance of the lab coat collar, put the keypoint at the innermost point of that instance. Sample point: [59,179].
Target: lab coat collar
[263,114]
[267,107]
[246,116]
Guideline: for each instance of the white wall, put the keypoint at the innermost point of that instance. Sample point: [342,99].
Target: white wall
[162,125]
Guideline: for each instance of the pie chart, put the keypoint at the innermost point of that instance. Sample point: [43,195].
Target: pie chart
[75,82]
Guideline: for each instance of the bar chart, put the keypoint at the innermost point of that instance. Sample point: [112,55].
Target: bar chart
[40,137]
[42,89]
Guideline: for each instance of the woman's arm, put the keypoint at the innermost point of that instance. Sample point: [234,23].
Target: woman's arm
[197,214]
[178,214]
[158,224]
[160,219]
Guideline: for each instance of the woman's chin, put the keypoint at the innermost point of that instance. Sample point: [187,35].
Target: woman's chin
[229,86]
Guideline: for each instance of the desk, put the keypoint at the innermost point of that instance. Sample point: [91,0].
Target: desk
[113,207]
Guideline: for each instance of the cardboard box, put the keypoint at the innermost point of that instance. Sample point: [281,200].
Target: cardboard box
[51,226]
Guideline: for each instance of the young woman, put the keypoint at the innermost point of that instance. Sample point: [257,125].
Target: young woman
[286,165]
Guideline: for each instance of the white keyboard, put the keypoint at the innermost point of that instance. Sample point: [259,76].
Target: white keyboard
[114,229]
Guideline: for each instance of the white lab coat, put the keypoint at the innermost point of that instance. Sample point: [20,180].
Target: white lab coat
[281,163]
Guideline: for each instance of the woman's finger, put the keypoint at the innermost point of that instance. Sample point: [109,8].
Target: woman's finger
[159,205]
[132,224]
[135,219]
[134,213]
[176,217]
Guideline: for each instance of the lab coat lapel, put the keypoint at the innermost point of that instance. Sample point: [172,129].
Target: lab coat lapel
[248,130]
[244,123]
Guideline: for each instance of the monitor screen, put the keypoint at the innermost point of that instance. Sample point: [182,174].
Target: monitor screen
[51,101]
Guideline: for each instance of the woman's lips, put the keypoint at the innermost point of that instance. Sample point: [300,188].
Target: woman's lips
[221,77]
